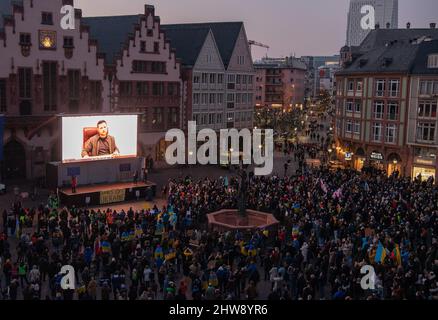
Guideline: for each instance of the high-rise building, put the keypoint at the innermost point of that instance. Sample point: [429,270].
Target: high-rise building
[386,15]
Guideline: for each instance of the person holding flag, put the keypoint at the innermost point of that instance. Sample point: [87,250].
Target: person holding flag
[380,254]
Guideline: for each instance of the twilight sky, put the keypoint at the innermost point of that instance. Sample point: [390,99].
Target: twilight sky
[303,27]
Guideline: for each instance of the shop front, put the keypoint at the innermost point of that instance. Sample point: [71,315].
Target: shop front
[424,169]
[359,159]
[424,164]
[377,160]
[394,164]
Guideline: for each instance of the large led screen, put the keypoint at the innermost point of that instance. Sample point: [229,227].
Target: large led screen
[102,137]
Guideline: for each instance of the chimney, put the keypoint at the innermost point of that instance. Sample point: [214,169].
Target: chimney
[388,25]
[408,25]
[433,25]
[377,26]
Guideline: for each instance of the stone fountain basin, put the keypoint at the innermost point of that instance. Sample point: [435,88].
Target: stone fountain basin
[230,219]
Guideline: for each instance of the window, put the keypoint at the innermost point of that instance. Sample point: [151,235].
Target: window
[391,133]
[219,118]
[238,79]
[3,101]
[250,79]
[349,106]
[379,108]
[231,78]
[394,88]
[428,87]
[426,131]
[220,98]
[73,84]
[212,98]
[73,77]
[350,85]
[432,61]
[25,83]
[204,98]
[174,113]
[158,115]
[68,42]
[142,46]
[25,39]
[427,109]
[250,98]
[212,78]
[348,126]
[392,110]
[244,98]
[196,78]
[230,116]
[95,95]
[158,67]
[142,88]
[204,118]
[377,132]
[172,89]
[142,66]
[357,127]
[158,89]
[230,97]
[196,97]
[211,119]
[220,78]
[359,85]
[357,106]
[156,47]
[150,32]
[244,79]
[50,83]
[237,116]
[241,60]
[47,18]
[209,58]
[205,78]
[238,98]
[380,88]
[125,89]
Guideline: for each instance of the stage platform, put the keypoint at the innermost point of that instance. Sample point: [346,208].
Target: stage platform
[103,194]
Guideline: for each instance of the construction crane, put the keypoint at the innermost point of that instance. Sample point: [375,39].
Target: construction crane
[258,44]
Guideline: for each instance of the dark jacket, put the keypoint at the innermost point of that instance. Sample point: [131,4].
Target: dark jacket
[91,146]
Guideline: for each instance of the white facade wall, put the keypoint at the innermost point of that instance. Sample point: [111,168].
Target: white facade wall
[241,64]
[209,109]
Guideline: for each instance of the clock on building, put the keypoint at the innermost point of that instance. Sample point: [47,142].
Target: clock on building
[47,40]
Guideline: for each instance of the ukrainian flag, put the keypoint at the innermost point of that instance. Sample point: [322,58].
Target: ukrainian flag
[380,254]
[397,254]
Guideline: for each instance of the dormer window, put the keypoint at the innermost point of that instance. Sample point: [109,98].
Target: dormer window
[47,18]
[432,61]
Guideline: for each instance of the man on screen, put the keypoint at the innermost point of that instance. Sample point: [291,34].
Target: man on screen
[100,144]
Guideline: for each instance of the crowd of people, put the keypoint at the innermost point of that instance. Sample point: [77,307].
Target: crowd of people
[331,223]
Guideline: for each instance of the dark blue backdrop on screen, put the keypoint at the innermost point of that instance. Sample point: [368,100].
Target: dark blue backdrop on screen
[2,129]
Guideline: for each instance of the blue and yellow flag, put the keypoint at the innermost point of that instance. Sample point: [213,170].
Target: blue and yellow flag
[380,254]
